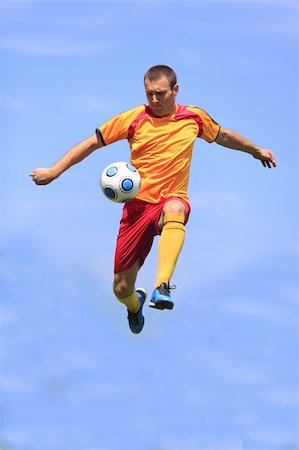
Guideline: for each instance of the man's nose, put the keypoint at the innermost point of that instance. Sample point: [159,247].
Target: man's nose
[154,99]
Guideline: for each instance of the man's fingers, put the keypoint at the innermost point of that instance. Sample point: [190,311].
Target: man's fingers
[272,159]
[266,157]
[268,163]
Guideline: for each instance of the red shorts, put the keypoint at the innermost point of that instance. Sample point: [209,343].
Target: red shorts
[138,227]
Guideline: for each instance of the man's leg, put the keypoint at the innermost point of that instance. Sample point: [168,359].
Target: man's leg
[171,242]
[124,290]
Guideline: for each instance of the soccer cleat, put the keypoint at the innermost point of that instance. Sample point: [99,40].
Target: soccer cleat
[161,297]
[136,320]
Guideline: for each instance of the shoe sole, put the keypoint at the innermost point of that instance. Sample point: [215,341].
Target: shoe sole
[163,304]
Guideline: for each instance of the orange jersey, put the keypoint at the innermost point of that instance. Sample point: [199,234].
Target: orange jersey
[161,147]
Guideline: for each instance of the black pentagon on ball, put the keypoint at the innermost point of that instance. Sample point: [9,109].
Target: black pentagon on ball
[110,193]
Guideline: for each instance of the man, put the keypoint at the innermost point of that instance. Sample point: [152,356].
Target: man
[161,137]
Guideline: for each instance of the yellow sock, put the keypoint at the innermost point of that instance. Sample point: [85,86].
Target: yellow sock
[132,302]
[170,245]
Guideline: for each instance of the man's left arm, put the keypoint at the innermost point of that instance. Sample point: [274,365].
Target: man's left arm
[233,140]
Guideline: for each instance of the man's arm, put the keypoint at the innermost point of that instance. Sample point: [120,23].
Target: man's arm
[73,156]
[235,141]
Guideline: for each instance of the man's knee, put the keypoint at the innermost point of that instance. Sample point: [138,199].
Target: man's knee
[121,290]
[174,207]
[124,282]
[172,210]
[121,287]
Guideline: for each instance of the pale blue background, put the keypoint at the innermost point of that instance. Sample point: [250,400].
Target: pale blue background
[219,372]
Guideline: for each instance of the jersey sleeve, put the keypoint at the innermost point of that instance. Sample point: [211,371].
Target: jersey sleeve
[117,128]
[210,127]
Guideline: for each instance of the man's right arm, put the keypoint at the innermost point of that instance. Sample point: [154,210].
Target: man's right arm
[73,156]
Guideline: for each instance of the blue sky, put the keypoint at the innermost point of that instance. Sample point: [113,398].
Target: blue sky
[219,372]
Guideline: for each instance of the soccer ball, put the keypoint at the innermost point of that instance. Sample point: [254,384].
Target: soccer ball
[120,182]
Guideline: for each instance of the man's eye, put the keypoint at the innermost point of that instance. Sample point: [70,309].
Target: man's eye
[156,94]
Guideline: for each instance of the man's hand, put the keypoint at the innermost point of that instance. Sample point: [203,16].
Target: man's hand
[73,156]
[265,156]
[43,176]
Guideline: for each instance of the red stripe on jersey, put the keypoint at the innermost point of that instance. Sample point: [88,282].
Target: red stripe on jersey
[184,113]
[143,115]
[181,114]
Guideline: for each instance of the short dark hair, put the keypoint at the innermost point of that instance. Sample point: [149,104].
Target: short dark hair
[156,72]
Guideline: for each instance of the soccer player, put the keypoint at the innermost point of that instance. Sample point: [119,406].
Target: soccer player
[161,136]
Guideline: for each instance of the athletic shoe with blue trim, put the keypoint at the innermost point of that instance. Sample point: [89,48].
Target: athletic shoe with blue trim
[136,320]
[161,297]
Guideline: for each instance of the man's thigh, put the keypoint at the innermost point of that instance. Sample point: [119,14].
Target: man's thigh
[135,237]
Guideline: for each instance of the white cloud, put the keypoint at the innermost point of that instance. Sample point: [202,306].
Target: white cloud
[210,199]
[222,444]
[272,437]
[288,3]
[282,397]
[16,384]
[6,316]
[50,47]
[225,207]
[288,293]
[15,104]
[229,369]
[242,29]
[88,103]
[88,391]
[94,103]
[95,21]
[17,270]
[215,246]
[253,308]
[234,371]
[49,203]
[15,437]
[245,28]
[204,443]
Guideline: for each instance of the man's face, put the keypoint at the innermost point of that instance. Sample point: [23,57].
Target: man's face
[161,98]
